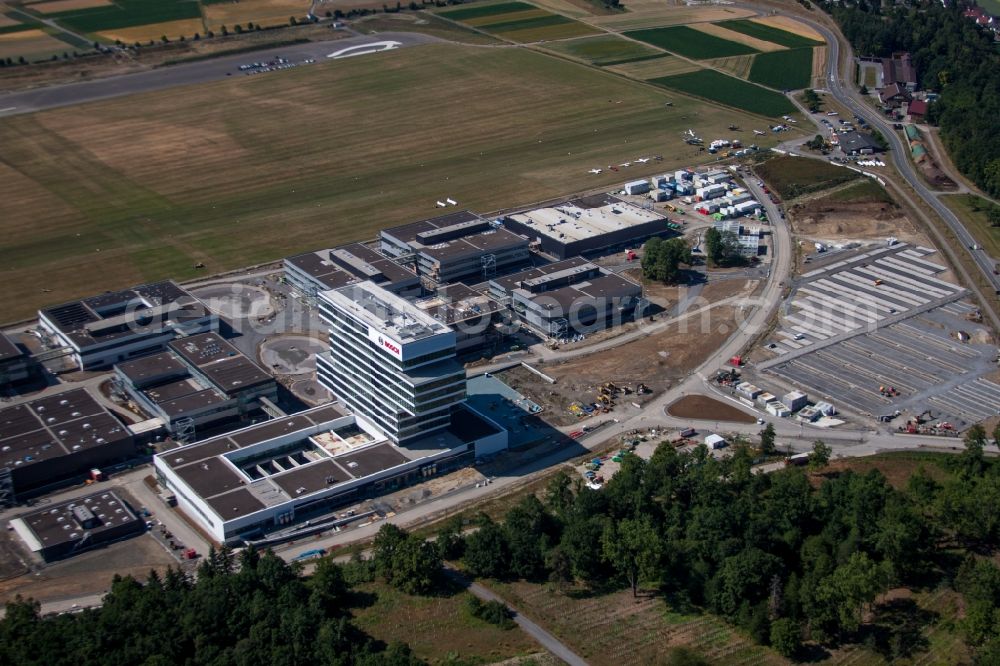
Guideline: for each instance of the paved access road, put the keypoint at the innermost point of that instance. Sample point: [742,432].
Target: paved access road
[203,71]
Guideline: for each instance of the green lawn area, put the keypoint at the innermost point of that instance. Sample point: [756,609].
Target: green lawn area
[718,87]
[604,50]
[105,195]
[971,210]
[769,33]
[783,70]
[690,43]
[791,177]
[478,11]
[865,190]
[128,13]
[437,628]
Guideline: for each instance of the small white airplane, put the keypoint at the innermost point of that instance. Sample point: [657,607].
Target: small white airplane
[451,202]
[595,171]
[625,164]
[759,132]
[690,133]
[441,204]
[642,160]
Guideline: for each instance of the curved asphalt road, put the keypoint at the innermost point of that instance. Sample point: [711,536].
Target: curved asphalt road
[203,71]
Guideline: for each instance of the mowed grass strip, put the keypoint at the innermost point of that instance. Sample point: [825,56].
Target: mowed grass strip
[216,174]
[128,13]
[604,50]
[485,10]
[717,87]
[769,34]
[690,43]
[784,70]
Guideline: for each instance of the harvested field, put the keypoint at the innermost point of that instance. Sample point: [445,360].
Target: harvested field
[6,21]
[32,43]
[770,33]
[549,32]
[690,43]
[818,65]
[784,70]
[519,22]
[736,65]
[154,31]
[437,628]
[655,68]
[789,24]
[717,30]
[267,12]
[718,87]
[53,6]
[128,14]
[791,177]
[656,13]
[603,50]
[215,174]
[573,8]
[708,409]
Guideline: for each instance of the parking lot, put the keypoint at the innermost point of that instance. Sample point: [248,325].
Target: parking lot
[914,365]
[859,293]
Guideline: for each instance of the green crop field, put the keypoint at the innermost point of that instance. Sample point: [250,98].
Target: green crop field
[604,50]
[112,193]
[486,10]
[784,70]
[718,87]
[690,43]
[791,177]
[769,34]
[128,13]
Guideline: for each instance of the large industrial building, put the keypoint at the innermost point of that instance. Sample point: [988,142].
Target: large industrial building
[274,474]
[15,364]
[587,224]
[199,381]
[102,330]
[571,296]
[313,272]
[389,361]
[72,527]
[58,437]
[469,313]
[455,247]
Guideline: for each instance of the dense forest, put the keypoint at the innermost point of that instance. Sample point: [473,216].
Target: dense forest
[251,610]
[796,566]
[953,57]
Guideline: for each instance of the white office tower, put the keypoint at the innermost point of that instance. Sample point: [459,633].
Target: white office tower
[389,362]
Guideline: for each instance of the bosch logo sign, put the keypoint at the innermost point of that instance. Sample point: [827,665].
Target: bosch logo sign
[384,343]
[388,345]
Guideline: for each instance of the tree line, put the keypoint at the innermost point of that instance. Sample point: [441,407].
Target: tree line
[953,57]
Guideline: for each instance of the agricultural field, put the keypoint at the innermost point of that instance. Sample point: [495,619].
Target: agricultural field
[55,6]
[29,43]
[436,628]
[690,43]
[604,50]
[783,70]
[263,12]
[656,68]
[718,31]
[154,31]
[424,23]
[771,34]
[789,24]
[738,66]
[100,196]
[791,177]
[656,13]
[519,22]
[127,14]
[718,87]
[972,211]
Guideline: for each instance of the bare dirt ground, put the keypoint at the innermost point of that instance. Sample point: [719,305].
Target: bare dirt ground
[90,573]
[823,218]
[703,407]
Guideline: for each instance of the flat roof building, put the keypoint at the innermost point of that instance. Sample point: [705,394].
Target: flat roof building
[571,296]
[271,475]
[15,364]
[313,272]
[72,527]
[102,330]
[200,380]
[858,143]
[51,439]
[587,224]
[456,246]
[469,313]
[389,361]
